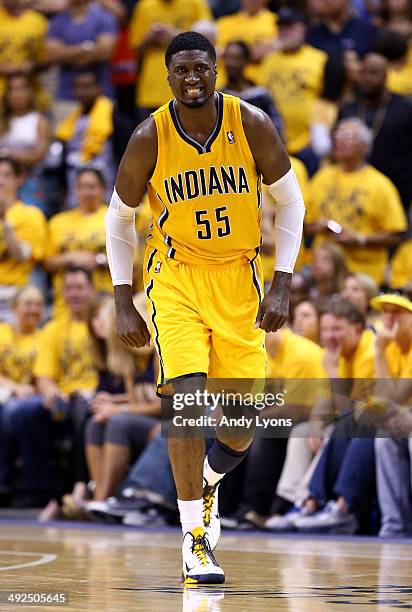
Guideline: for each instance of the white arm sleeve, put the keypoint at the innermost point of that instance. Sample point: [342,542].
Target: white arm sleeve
[290,210]
[120,240]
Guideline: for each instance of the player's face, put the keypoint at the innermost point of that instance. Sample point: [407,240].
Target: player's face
[192,77]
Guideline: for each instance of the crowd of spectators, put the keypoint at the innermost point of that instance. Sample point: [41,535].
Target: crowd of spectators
[79,416]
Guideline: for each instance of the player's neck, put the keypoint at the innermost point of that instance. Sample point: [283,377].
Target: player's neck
[200,120]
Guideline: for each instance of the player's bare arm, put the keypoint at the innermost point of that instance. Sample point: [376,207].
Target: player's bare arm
[135,170]
[273,164]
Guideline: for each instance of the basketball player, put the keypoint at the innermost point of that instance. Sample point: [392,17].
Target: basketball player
[201,157]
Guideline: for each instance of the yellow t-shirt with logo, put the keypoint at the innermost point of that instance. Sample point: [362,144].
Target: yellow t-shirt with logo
[268,261]
[364,201]
[64,356]
[401,266]
[252,29]
[295,82]
[400,81]
[29,226]
[17,353]
[399,363]
[73,230]
[21,39]
[152,89]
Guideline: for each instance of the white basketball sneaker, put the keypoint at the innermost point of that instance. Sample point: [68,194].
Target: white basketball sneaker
[211,519]
[199,564]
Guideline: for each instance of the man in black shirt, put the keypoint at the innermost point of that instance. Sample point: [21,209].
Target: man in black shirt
[390,118]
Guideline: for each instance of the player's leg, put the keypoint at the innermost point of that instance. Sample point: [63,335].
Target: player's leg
[182,341]
[187,452]
[237,355]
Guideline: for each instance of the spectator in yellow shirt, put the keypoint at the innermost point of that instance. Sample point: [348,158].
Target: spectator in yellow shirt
[63,370]
[153,25]
[22,237]
[77,238]
[355,205]
[22,39]
[294,77]
[19,343]
[349,347]
[255,25]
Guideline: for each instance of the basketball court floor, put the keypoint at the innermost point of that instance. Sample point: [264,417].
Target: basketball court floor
[115,568]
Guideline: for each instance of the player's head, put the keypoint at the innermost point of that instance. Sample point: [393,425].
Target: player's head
[191,64]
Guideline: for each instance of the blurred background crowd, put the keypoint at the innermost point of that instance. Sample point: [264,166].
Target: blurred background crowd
[79,416]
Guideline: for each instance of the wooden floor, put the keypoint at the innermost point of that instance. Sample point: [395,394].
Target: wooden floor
[125,569]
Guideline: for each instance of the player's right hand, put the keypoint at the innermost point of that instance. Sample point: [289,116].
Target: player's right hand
[132,328]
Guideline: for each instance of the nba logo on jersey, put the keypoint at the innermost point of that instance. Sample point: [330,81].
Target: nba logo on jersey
[230,137]
[157,267]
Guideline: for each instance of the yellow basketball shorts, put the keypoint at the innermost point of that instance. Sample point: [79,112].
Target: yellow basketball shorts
[203,320]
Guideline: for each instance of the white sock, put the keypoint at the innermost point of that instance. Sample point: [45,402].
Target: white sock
[210,475]
[191,514]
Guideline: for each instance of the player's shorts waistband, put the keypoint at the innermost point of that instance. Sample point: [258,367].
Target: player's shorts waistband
[205,264]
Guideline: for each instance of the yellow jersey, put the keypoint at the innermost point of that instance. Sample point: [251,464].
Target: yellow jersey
[205,199]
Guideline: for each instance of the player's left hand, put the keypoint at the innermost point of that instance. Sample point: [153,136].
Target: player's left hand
[274,308]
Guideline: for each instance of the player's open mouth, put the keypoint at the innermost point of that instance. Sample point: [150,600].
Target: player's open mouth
[193,91]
